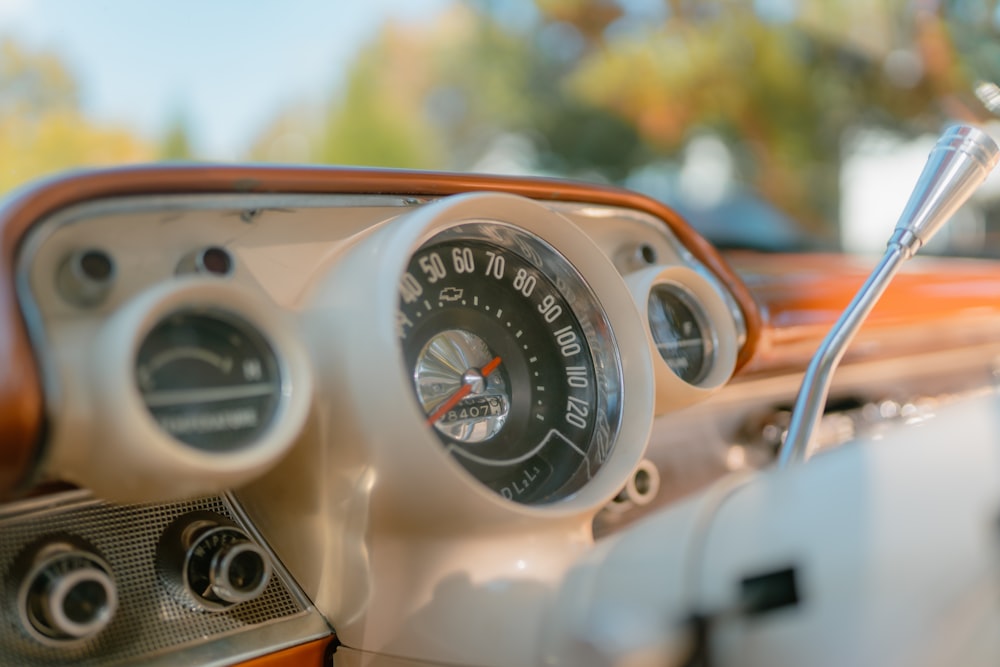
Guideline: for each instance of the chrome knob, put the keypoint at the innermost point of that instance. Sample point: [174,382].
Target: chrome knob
[211,563]
[958,164]
[238,571]
[67,591]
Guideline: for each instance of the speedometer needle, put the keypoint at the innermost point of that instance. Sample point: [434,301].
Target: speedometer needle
[461,393]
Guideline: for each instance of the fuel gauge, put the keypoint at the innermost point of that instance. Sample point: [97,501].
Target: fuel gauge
[680,332]
[195,385]
[692,331]
[209,379]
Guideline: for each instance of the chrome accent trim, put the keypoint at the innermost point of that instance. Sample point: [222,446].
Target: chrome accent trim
[267,639]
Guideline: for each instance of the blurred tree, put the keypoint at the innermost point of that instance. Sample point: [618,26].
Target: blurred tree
[452,95]
[41,127]
[783,92]
[377,120]
[601,89]
[293,136]
[492,81]
[176,142]
[389,110]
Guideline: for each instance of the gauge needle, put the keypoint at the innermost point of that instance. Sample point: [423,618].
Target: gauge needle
[461,392]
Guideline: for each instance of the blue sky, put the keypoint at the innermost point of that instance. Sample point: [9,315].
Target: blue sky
[226,65]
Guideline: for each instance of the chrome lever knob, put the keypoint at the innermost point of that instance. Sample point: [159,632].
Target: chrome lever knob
[960,161]
[958,164]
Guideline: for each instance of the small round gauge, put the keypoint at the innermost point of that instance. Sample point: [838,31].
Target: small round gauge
[679,331]
[512,360]
[209,379]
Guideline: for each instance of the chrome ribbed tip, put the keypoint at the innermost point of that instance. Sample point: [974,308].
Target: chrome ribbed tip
[960,161]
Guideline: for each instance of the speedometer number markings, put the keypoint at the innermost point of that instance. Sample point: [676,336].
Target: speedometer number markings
[488,388]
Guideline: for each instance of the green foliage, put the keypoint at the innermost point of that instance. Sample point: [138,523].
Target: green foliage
[378,121]
[444,95]
[33,83]
[362,133]
[176,143]
[782,95]
[41,128]
[592,88]
[597,92]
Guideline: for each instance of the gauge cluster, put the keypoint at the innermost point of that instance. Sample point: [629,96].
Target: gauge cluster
[291,405]
[211,332]
[390,387]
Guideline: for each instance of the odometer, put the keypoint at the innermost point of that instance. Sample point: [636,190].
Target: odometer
[498,332]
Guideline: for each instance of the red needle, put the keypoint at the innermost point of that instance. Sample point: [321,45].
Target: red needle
[461,393]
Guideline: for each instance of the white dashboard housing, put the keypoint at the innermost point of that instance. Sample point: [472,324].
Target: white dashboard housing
[421,523]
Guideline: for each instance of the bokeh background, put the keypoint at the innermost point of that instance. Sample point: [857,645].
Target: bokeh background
[771,124]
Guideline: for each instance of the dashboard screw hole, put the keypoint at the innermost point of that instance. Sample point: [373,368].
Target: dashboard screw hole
[216,261]
[85,277]
[96,265]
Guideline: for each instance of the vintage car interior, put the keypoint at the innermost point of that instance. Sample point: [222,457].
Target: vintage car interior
[313,416]
[566,333]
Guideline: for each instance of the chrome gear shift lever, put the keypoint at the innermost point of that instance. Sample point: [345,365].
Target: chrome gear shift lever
[958,164]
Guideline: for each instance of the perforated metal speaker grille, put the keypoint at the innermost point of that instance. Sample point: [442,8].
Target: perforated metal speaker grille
[149,622]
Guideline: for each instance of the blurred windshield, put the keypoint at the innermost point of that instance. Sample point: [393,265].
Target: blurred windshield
[771,124]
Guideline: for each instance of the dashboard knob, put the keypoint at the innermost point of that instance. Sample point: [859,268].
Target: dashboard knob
[238,571]
[67,591]
[210,562]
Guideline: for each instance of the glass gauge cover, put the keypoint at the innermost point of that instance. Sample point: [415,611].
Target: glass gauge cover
[512,361]
[209,379]
[679,330]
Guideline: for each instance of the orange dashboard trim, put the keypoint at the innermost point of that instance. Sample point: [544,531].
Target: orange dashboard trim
[313,654]
[933,304]
[21,399]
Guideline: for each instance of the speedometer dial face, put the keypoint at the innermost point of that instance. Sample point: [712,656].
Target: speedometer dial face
[512,361]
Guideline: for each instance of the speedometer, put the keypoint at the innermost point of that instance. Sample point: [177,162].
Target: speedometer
[512,360]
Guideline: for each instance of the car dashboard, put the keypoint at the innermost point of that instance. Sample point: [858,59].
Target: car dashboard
[296,416]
